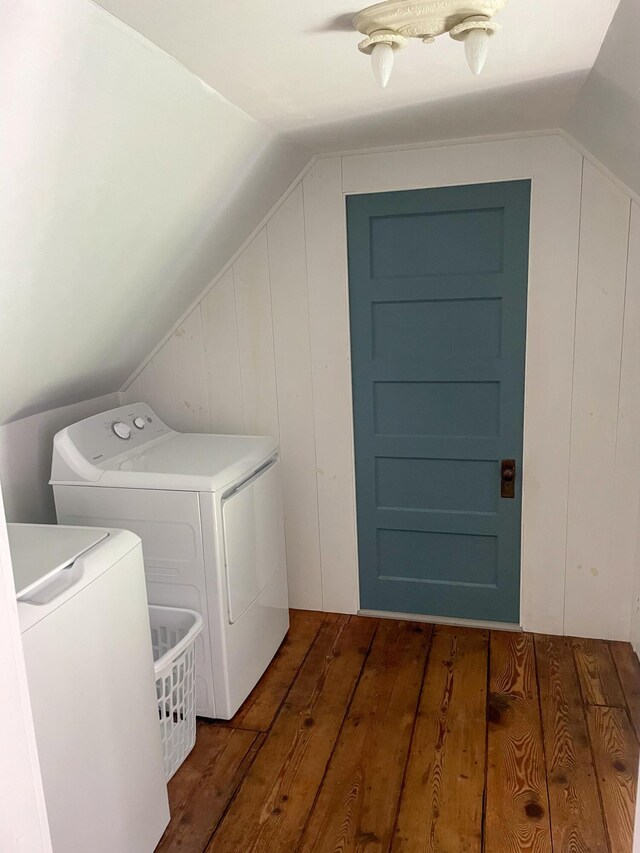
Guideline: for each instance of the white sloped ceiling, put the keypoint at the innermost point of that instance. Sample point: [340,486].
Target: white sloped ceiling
[126,183]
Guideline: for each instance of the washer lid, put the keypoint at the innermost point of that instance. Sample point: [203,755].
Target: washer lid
[40,550]
[189,462]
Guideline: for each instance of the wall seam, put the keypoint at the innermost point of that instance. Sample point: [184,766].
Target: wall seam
[313,397]
[312,389]
[573,367]
[235,312]
[205,362]
[356,555]
[273,334]
[615,445]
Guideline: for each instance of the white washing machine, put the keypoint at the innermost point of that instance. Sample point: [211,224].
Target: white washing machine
[208,509]
[84,620]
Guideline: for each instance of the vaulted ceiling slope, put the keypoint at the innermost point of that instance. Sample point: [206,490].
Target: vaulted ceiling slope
[126,184]
[605,117]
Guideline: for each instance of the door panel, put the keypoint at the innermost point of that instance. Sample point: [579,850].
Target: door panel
[437,408]
[463,485]
[437,282]
[426,238]
[414,333]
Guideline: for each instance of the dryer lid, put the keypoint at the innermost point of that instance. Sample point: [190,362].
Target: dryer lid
[189,462]
[40,550]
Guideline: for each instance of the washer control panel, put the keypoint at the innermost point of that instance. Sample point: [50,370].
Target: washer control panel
[105,436]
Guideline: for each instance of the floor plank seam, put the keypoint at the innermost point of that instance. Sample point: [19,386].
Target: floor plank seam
[544,745]
[337,739]
[627,706]
[293,680]
[427,657]
[486,745]
[227,725]
[584,701]
[235,792]
[584,706]
[633,728]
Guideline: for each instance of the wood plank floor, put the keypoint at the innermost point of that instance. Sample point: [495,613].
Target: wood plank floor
[376,735]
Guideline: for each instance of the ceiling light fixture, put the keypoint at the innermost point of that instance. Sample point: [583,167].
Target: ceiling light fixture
[387,27]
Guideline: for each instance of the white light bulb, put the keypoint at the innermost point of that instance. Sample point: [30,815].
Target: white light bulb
[476,47]
[382,62]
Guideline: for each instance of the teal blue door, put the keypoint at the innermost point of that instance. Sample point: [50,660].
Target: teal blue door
[438,296]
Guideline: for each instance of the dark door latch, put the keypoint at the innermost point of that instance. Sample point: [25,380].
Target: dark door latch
[508,478]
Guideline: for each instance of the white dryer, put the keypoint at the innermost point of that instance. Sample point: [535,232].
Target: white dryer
[208,509]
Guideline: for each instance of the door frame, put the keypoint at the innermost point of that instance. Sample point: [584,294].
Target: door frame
[555,171]
[432,618]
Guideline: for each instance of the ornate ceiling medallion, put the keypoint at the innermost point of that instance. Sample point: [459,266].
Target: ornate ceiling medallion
[388,25]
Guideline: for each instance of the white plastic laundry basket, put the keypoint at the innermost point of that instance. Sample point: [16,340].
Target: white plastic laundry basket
[173,635]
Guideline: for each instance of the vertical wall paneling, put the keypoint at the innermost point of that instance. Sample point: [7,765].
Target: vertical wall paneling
[157,384]
[288,272]
[627,548]
[551,306]
[255,336]
[222,355]
[278,362]
[133,393]
[189,376]
[626,481]
[591,577]
[330,363]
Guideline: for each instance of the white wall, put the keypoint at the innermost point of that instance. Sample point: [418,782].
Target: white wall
[125,182]
[605,450]
[270,343]
[25,458]
[633,290]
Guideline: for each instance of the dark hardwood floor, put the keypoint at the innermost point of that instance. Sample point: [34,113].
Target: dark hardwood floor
[378,735]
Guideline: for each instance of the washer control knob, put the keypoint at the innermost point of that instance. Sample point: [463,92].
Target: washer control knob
[122,430]
[139,422]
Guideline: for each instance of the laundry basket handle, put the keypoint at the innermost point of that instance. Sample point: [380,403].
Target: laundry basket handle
[175,651]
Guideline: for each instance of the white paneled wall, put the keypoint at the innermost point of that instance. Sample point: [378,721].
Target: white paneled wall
[629,421]
[222,354]
[157,385]
[267,350]
[255,338]
[290,305]
[325,223]
[591,576]
[190,375]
